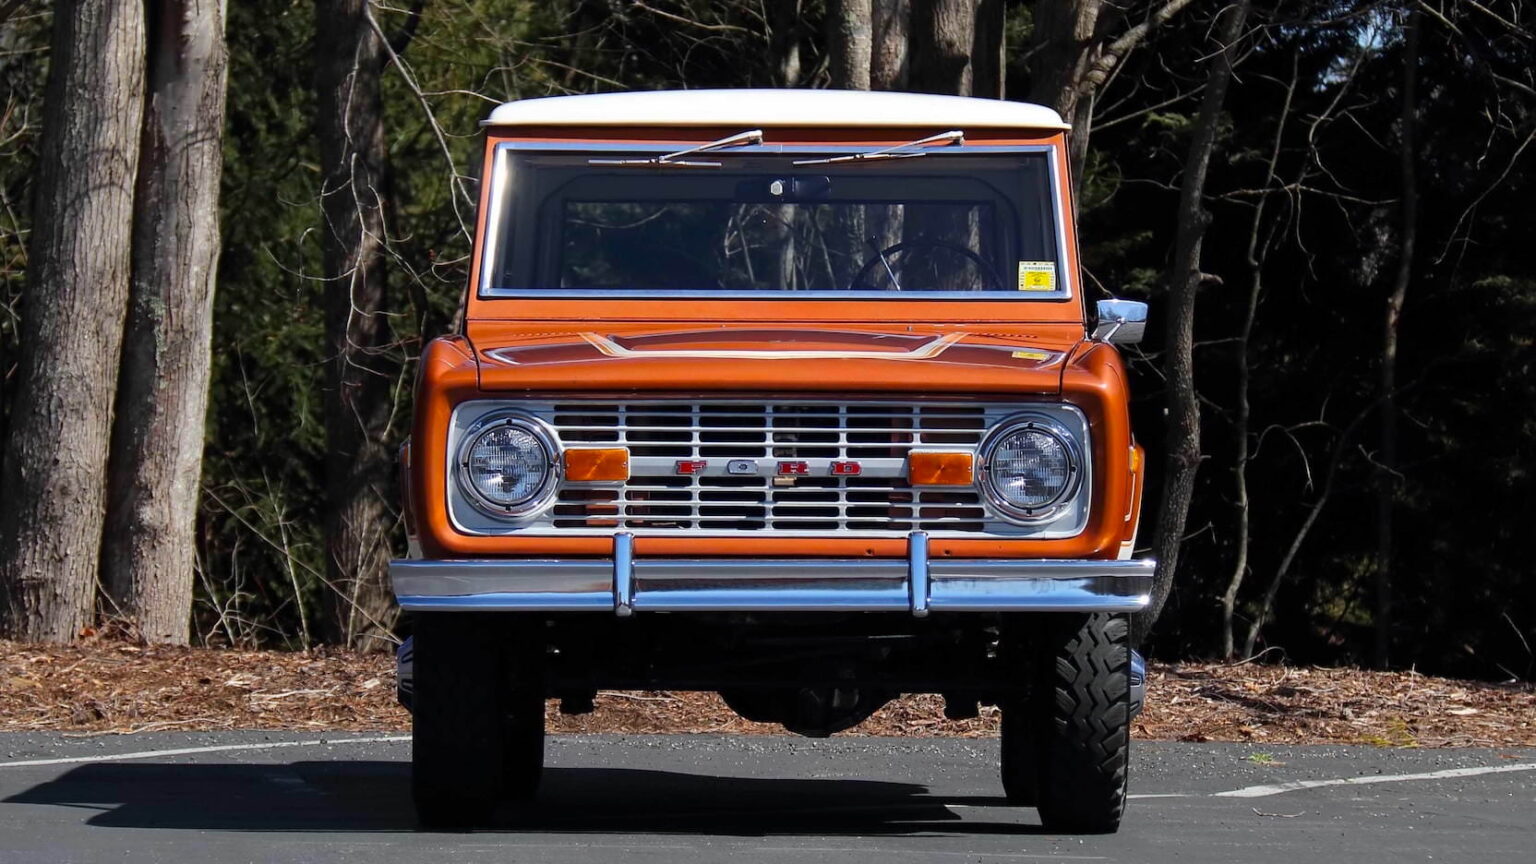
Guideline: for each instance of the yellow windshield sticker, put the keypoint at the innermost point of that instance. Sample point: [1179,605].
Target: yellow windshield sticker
[1037,276]
[1031,355]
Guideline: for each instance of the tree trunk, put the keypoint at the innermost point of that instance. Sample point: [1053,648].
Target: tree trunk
[849,43]
[1183,407]
[942,35]
[361,367]
[987,65]
[888,69]
[1064,34]
[149,549]
[888,44]
[1071,57]
[784,39]
[1066,38]
[849,46]
[1386,457]
[55,464]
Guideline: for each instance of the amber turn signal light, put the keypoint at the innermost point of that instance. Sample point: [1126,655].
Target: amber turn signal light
[592,465]
[940,469]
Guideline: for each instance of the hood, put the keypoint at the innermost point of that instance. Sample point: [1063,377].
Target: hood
[614,357]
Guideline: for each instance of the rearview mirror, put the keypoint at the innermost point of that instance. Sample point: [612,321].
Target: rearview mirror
[796,188]
[1120,322]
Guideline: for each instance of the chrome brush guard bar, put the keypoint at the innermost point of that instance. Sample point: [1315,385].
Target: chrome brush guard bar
[623,584]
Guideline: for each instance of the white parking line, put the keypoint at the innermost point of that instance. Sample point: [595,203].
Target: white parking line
[1278,788]
[1245,792]
[924,854]
[189,751]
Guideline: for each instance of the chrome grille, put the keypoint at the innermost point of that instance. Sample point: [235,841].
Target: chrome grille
[877,435]
[659,501]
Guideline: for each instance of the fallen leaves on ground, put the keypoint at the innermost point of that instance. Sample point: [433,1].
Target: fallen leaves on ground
[103,687]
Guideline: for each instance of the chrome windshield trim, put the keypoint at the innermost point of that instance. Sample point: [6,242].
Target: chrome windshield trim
[764,149]
[777,296]
[1068,287]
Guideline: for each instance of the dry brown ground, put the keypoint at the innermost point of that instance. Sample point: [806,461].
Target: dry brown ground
[106,687]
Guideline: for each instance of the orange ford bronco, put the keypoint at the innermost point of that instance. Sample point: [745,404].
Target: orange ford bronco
[790,395]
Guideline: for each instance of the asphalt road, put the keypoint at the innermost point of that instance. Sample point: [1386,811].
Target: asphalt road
[249,797]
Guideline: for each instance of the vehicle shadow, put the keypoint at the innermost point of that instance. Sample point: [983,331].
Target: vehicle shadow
[371,796]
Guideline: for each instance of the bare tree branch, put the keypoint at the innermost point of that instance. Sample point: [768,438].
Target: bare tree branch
[1142,112]
[1267,605]
[457,182]
[402,39]
[1116,50]
[1508,25]
[680,19]
[1256,256]
[9,8]
[1497,182]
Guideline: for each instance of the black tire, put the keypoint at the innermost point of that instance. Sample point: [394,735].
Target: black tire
[522,731]
[473,733]
[1020,767]
[1072,737]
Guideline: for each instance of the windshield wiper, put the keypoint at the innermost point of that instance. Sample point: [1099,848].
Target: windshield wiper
[676,159]
[900,151]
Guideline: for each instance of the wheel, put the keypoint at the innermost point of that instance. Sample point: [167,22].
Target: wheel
[477,718]
[522,730]
[1069,742]
[1020,768]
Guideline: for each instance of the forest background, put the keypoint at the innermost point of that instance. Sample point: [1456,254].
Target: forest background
[1327,205]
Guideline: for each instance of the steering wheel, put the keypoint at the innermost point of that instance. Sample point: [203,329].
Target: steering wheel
[882,258]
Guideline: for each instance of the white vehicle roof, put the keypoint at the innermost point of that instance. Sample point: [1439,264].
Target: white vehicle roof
[754,108]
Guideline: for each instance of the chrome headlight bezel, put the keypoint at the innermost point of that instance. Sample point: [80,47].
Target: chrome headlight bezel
[548,443]
[1046,425]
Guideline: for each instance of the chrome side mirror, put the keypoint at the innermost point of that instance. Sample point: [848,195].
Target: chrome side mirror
[1121,322]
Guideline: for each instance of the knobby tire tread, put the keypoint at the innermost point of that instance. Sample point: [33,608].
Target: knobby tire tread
[1084,759]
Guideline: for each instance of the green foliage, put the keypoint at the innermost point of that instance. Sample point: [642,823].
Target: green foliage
[23,67]
[263,467]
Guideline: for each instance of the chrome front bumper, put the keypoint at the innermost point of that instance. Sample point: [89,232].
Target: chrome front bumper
[624,584]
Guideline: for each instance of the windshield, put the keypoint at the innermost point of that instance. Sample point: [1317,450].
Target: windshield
[968,224]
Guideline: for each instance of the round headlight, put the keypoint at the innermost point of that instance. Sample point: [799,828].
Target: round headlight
[1030,468]
[507,465]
